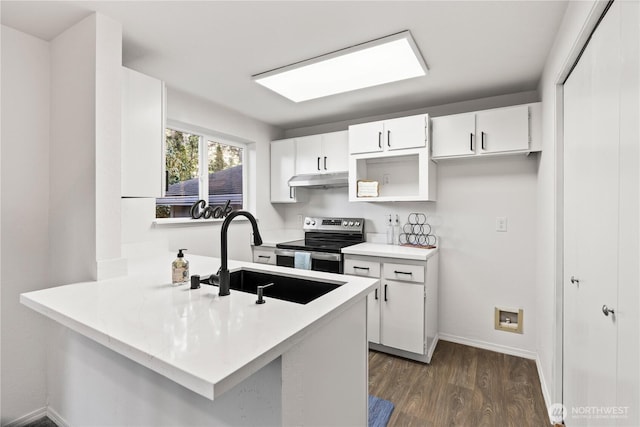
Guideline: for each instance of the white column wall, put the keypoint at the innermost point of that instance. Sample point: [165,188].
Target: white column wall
[25,239]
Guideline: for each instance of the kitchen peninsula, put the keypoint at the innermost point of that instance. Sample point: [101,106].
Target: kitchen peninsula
[236,362]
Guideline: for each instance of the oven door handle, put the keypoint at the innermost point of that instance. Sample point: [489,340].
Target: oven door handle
[284,252]
[325,256]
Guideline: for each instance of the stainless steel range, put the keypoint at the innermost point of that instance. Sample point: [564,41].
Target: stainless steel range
[320,249]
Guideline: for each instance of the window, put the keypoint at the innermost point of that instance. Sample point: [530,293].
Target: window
[193,158]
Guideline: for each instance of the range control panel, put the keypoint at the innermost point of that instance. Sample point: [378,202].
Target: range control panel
[351,225]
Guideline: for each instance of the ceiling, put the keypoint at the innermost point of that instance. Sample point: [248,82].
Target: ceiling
[211,49]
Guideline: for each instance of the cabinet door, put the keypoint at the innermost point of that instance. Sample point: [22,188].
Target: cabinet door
[405,132]
[335,152]
[366,137]
[402,316]
[373,316]
[309,154]
[453,135]
[142,134]
[283,167]
[503,129]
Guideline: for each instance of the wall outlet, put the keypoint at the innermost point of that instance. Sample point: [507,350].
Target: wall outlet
[501,223]
[299,220]
[385,179]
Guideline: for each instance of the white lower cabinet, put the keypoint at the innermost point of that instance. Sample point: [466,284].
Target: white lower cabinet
[402,313]
[402,316]
[264,255]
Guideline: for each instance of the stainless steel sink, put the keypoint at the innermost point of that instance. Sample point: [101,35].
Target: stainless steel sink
[293,289]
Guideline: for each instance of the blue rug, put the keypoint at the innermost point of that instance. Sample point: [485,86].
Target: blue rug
[379,411]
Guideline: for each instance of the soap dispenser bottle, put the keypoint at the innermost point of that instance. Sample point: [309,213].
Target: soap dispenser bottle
[396,231]
[180,269]
[390,232]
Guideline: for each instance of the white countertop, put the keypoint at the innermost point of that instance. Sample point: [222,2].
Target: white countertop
[202,341]
[390,251]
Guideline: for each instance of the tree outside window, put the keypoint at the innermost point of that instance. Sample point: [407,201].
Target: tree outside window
[223,177]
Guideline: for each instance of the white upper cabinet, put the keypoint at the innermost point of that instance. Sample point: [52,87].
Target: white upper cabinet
[324,153]
[497,131]
[455,135]
[503,129]
[283,167]
[142,134]
[392,134]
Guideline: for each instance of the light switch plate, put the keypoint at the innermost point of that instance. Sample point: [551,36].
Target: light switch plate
[501,223]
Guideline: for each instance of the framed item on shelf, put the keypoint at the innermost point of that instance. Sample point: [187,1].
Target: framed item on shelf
[368,188]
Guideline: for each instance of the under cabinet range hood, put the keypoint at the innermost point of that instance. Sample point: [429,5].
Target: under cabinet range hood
[324,180]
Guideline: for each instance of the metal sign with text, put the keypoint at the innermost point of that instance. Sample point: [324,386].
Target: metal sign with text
[200,210]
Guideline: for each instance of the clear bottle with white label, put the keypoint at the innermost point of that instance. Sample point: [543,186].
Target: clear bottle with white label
[180,269]
[389,232]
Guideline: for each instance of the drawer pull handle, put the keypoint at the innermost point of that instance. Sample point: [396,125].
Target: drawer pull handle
[376,294]
[385,292]
[355,267]
[403,272]
[264,256]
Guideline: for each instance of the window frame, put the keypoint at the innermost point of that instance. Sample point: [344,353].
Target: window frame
[204,136]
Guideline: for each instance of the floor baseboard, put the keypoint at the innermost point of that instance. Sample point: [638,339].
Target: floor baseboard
[512,351]
[28,418]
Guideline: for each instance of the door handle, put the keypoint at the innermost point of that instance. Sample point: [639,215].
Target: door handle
[606,310]
[471,141]
[376,296]
[379,139]
[388,138]
[482,140]
[318,163]
[575,281]
[385,292]
[325,162]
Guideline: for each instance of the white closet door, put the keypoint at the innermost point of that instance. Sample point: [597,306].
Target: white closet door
[592,119]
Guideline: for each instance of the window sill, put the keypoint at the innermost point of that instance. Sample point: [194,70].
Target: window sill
[162,222]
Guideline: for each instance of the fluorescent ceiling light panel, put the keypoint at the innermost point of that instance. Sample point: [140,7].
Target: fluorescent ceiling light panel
[385,60]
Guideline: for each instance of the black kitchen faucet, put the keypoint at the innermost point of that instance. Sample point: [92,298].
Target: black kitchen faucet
[222,278]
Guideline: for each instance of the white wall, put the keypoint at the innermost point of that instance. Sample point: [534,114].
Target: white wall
[85,147]
[25,200]
[579,20]
[204,239]
[479,267]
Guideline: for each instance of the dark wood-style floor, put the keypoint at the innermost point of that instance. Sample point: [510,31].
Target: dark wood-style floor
[463,386]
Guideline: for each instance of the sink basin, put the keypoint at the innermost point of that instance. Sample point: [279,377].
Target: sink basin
[293,289]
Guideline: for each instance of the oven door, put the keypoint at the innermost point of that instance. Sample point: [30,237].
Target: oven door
[320,261]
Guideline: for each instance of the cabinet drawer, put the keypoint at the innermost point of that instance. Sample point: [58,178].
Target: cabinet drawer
[357,267]
[404,272]
[264,256]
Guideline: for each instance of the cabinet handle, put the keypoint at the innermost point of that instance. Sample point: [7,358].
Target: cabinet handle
[318,163]
[376,294]
[166,181]
[385,292]
[291,193]
[325,162]
[360,268]
[264,256]
[388,138]
[482,139]
[403,272]
[379,139]
[471,141]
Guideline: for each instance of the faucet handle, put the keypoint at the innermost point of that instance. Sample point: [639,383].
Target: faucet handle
[261,292]
[195,281]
